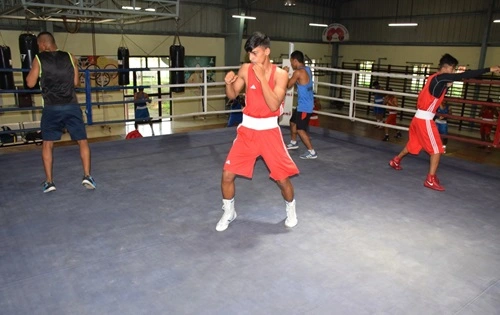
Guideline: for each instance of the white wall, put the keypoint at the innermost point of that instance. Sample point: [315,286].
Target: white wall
[279,50]
[107,44]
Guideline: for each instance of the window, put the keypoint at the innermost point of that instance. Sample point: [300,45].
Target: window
[315,73]
[417,83]
[148,78]
[365,76]
[457,87]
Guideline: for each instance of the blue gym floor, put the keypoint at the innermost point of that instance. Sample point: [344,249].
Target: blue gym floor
[370,240]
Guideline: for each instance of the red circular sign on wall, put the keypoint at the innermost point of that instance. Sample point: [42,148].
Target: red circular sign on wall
[335,33]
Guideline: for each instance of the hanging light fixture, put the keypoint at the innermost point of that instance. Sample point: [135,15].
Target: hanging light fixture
[131,6]
[289,3]
[126,7]
[150,9]
[403,24]
[243,15]
[318,24]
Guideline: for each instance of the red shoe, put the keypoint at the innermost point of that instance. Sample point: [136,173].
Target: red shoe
[395,163]
[433,183]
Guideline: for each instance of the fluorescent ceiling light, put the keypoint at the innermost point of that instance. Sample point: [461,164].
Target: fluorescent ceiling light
[125,7]
[403,24]
[318,24]
[150,9]
[496,21]
[248,17]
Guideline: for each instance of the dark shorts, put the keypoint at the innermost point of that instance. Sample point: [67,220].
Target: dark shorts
[57,117]
[442,128]
[142,114]
[301,119]
[378,110]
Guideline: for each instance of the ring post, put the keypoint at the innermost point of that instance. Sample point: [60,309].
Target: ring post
[88,97]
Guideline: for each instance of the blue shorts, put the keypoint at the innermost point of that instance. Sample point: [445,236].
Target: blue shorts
[142,114]
[442,128]
[378,110]
[57,117]
[235,119]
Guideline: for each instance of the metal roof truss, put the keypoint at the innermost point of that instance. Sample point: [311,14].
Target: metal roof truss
[91,11]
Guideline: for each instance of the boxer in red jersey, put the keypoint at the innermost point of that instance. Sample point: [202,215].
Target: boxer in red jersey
[423,133]
[487,113]
[259,133]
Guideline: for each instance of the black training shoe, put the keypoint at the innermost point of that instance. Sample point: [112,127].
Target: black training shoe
[48,187]
[88,182]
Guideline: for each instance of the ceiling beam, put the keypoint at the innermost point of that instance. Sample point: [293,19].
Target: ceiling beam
[91,11]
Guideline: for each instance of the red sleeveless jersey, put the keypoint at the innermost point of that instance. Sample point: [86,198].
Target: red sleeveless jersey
[488,114]
[256,105]
[426,101]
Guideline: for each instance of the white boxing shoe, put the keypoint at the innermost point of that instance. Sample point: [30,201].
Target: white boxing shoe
[291,214]
[228,216]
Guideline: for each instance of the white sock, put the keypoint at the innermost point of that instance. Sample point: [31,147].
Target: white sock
[312,152]
[293,141]
[228,204]
[290,202]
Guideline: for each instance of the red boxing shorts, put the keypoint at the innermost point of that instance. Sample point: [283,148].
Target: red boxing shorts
[250,144]
[423,134]
[391,119]
[485,129]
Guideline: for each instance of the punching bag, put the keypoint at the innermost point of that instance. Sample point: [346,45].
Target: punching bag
[177,61]
[28,48]
[6,77]
[123,63]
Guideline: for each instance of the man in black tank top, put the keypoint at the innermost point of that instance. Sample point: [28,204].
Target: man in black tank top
[58,79]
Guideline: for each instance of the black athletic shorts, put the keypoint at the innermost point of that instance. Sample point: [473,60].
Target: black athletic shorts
[301,119]
[57,117]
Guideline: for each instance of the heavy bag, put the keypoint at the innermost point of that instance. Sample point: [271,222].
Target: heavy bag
[28,48]
[123,63]
[6,77]
[177,61]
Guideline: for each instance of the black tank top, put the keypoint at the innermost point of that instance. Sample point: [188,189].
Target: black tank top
[57,78]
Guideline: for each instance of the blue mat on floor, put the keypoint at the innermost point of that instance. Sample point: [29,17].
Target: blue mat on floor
[369,239]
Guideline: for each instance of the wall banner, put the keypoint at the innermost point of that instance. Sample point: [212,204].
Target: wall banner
[335,33]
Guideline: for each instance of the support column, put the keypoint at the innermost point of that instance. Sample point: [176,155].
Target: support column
[232,43]
[482,54]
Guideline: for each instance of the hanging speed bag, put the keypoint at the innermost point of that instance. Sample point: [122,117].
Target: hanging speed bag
[177,61]
[6,77]
[28,48]
[123,63]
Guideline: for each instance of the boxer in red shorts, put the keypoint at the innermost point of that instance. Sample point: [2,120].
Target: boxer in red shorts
[487,113]
[259,133]
[391,100]
[423,133]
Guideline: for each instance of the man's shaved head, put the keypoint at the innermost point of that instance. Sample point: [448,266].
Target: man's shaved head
[46,42]
[46,37]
